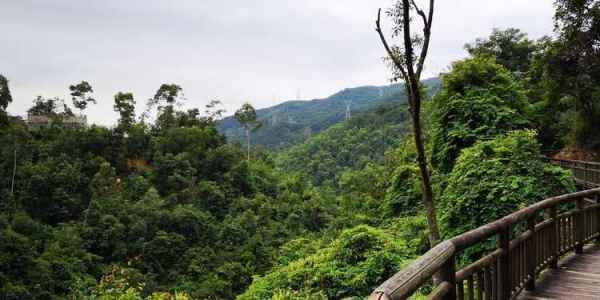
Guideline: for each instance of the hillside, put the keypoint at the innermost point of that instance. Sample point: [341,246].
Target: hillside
[349,145]
[168,208]
[292,122]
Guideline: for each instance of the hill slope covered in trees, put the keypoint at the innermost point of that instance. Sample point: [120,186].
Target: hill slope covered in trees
[292,122]
[349,145]
[168,209]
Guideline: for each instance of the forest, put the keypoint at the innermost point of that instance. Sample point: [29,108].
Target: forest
[181,207]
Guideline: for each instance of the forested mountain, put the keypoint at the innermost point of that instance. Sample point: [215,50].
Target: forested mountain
[488,162]
[173,209]
[350,145]
[292,122]
[163,207]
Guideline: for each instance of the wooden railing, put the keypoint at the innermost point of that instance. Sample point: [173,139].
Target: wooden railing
[586,173]
[543,233]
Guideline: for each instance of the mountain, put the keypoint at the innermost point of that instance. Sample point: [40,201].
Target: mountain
[292,122]
[350,145]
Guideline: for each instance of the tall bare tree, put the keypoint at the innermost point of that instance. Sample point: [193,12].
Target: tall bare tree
[407,61]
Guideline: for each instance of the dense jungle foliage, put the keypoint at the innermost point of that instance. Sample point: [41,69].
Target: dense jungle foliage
[170,209]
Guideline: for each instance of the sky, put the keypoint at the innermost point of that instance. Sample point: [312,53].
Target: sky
[258,51]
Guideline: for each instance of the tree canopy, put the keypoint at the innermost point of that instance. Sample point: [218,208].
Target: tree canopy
[5,98]
[479,99]
[167,207]
[81,95]
[510,47]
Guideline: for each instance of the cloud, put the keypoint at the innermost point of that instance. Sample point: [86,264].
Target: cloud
[263,51]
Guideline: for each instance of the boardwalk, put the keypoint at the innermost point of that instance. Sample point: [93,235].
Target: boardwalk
[577,277]
[552,254]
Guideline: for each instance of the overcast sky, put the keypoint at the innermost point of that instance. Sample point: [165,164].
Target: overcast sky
[262,51]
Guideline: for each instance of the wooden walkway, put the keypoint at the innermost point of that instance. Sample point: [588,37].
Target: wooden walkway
[552,254]
[577,277]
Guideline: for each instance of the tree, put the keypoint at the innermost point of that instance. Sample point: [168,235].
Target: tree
[125,106]
[408,67]
[167,93]
[347,268]
[50,107]
[479,100]
[212,111]
[511,48]
[164,99]
[574,65]
[45,107]
[80,93]
[5,98]
[494,178]
[246,116]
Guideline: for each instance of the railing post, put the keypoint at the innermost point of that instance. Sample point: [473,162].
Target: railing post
[504,287]
[597,198]
[579,226]
[586,172]
[447,273]
[554,238]
[531,254]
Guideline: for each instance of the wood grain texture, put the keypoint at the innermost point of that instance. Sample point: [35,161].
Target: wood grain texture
[577,277]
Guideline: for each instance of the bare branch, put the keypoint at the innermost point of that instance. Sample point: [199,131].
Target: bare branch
[426,39]
[391,54]
[408,45]
[420,12]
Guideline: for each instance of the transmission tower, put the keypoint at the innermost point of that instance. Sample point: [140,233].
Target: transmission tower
[348,112]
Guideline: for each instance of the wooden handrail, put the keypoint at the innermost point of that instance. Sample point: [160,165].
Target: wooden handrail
[590,163]
[421,270]
[587,174]
[514,265]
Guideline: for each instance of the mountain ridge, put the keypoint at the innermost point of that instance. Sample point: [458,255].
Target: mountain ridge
[291,122]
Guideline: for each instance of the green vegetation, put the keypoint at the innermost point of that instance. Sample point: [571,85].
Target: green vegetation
[510,48]
[170,207]
[572,68]
[293,122]
[359,259]
[5,99]
[81,95]
[246,116]
[494,178]
[175,204]
[479,100]
[351,145]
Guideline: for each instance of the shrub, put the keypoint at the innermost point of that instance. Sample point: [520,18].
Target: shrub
[479,100]
[354,264]
[494,178]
